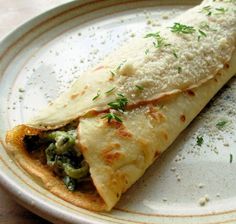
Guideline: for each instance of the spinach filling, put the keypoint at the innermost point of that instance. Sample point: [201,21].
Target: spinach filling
[57,150]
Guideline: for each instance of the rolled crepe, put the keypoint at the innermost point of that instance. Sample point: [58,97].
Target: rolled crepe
[164,79]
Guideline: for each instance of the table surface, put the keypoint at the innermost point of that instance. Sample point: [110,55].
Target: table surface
[14,13]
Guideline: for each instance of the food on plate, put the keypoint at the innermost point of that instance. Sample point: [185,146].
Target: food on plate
[96,140]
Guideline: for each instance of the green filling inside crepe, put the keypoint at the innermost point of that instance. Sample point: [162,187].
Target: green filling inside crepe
[58,151]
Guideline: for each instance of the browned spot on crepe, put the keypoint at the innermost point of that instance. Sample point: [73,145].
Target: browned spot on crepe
[74,96]
[182,118]
[165,135]
[226,65]
[190,92]
[99,68]
[156,154]
[155,114]
[110,154]
[122,131]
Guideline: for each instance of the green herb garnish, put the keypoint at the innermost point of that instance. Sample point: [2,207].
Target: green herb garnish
[221,10]
[202,34]
[119,104]
[231,158]
[98,94]
[21,90]
[160,41]
[207,10]
[120,65]
[181,28]
[175,54]
[205,26]
[110,90]
[146,51]
[120,94]
[111,116]
[200,140]
[221,124]
[112,73]
[139,87]
[179,69]
[226,1]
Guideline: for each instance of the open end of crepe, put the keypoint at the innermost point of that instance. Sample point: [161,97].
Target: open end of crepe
[55,161]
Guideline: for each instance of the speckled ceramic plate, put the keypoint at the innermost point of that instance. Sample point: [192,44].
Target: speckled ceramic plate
[193,182]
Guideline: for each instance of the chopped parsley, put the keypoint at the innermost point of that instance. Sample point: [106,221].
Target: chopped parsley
[21,90]
[226,1]
[207,10]
[160,41]
[120,65]
[175,54]
[179,69]
[98,94]
[139,87]
[221,124]
[119,104]
[112,73]
[146,51]
[231,158]
[110,90]
[111,116]
[181,28]
[200,140]
[201,34]
[205,26]
[221,10]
